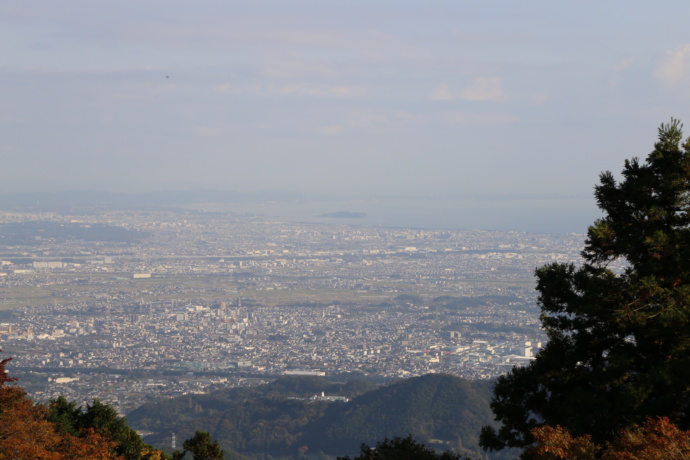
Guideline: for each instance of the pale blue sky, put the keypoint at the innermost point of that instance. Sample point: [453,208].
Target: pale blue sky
[340,97]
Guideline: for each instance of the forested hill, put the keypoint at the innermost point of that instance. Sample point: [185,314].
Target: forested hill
[167,414]
[442,410]
[431,407]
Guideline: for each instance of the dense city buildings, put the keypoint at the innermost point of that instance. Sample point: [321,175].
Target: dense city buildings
[130,306]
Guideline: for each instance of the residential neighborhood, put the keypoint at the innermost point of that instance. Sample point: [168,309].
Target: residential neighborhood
[154,304]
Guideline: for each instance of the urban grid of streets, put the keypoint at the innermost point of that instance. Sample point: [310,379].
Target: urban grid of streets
[199,301]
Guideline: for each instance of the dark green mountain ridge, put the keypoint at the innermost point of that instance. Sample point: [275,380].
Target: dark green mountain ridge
[280,417]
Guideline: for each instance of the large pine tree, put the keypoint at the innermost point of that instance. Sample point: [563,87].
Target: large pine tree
[619,342]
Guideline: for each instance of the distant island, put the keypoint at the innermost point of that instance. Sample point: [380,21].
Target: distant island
[344,215]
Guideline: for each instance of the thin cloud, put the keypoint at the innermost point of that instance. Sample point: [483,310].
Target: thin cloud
[331,130]
[675,66]
[481,89]
[372,117]
[478,118]
[537,98]
[618,68]
[318,91]
[442,93]
[623,65]
[296,89]
[484,89]
[284,69]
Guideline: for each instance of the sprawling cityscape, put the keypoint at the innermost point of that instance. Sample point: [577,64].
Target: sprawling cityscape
[131,306]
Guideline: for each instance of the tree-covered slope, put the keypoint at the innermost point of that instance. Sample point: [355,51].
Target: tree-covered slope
[164,415]
[279,418]
[263,425]
[433,407]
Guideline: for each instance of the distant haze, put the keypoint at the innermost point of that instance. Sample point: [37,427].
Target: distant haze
[539,214]
[356,100]
[528,214]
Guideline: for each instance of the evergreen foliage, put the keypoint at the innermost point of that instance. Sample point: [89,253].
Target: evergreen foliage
[442,410]
[31,431]
[165,414]
[202,448]
[103,419]
[264,425]
[434,406]
[401,449]
[619,342]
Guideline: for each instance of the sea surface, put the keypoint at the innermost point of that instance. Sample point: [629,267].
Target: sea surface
[543,214]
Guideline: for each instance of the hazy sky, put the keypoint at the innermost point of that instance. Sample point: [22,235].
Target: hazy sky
[344,97]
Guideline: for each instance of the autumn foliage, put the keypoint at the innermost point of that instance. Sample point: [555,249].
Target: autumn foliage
[657,439]
[27,433]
